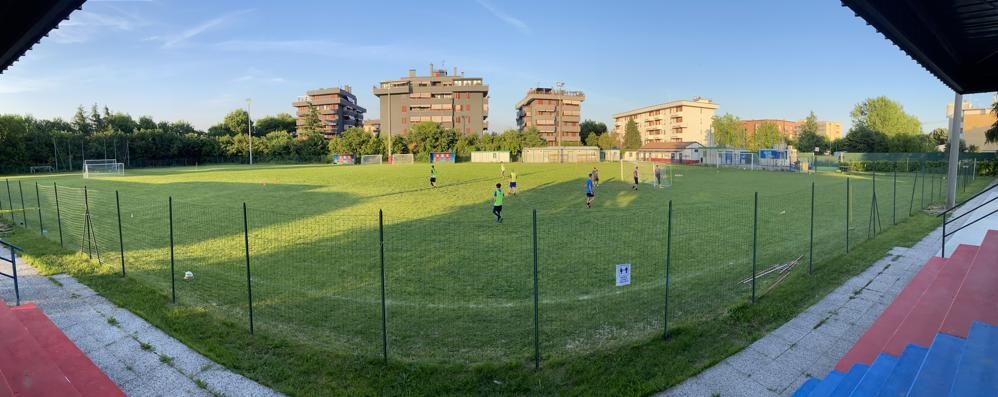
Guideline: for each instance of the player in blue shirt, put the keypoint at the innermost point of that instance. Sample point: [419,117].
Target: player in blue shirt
[590,193]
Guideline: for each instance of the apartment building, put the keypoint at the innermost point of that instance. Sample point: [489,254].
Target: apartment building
[337,108]
[830,129]
[554,112]
[676,121]
[788,129]
[454,101]
[372,126]
[975,122]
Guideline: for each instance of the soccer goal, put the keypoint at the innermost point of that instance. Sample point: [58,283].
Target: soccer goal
[103,167]
[646,173]
[402,158]
[370,159]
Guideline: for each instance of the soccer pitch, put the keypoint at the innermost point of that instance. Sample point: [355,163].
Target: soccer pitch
[458,286]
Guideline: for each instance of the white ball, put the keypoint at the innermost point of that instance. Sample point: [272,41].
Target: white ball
[188,275]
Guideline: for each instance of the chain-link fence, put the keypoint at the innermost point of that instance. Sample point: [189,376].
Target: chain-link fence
[455,289]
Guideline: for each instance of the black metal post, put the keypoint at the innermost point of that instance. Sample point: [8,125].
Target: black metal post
[173,275]
[121,236]
[10,202]
[249,283]
[537,324]
[58,213]
[894,199]
[38,201]
[24,212]
[755,239]
[848,199]
[384,312]
[17,288]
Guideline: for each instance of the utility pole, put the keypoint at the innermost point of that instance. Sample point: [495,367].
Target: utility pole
[389,120]
[249,128]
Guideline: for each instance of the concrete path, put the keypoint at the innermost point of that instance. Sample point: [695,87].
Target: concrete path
[811,343]
[139,358]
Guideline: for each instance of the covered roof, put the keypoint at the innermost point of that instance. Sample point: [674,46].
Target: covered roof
[955,40]
[667,145]
[24,22]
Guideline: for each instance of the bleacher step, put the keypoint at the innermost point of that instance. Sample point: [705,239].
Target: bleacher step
[82,373]
[808,386]
[23,362]
[899,381]
[977,296]
[852,378]
[827,386]
[935,377]
[876,376]
[977,372]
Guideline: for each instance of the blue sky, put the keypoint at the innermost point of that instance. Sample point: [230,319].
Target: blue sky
[198,60]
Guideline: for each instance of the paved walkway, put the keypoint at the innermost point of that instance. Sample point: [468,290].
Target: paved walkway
[139,358]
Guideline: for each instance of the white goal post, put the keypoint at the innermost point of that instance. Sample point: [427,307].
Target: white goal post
[102,167]
[370,159]
[646,173]
[406,158]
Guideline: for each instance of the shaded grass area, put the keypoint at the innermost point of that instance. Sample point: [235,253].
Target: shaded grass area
[641,365]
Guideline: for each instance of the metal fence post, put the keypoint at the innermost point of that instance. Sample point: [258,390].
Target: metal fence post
[249,284]
[894,202]
[384,315]
[173,275]
[10,202]
[24,212]
[668,266]
[38,201]
[922,199]
[17,289]
[911,202]
[848,213]
[121,237]
[755,239]
[810,255]
[58,213]
[537,323]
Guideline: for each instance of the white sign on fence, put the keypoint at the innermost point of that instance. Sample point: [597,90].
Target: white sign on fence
[624,274]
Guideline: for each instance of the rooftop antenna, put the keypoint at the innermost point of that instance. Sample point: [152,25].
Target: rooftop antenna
[560,85]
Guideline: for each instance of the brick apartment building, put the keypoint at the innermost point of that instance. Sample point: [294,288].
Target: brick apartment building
[788,129]
[453,101]
[676,121]
[337,107]
[553,111]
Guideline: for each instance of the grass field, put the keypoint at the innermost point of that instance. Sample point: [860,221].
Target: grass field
[459,286]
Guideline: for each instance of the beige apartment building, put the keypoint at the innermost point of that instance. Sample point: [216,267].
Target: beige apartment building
[454,101]
[975,122]
[554,112]
[372,126]
[337,107]
[676,121]
[830,129]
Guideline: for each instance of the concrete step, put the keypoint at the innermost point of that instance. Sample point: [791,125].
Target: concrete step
[935,376]
[82,373]
[904,372]
[25,365]
[852,378]
[977,372]
[828,385]
[876,376]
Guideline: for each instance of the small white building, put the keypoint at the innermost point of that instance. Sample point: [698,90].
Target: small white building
[490,157]
[561,154]
[669,152]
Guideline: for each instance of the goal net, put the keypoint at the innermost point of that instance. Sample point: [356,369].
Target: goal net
[370,159]
[647,173]
[402,158]
[102,167]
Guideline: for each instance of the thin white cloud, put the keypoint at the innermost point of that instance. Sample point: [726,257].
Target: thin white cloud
[84,25]
[180,38]
[324,48]
[254,75]
[503,16]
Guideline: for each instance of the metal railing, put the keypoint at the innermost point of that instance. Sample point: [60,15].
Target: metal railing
[954,219]
[13,265]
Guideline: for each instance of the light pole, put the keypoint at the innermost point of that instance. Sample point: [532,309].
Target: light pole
[249,128]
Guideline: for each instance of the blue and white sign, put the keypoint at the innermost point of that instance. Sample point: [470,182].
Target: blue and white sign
[770,154]
[624,274]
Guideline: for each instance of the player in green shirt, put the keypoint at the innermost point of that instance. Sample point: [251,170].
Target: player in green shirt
[512,182]
[433,176]
[497,206]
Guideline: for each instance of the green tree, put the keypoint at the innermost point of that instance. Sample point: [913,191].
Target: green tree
[353,141]
[237,121]
[81,123]
[729,131]
[973,149]
[592,140]
[810,124]
[808,140]
[939,135]
[883,115]
[590,127]
[632,138]
[280,122]
[767,135]
[312,123]
[145,122]
[605,142]
[991,135]
[428,136]
[865,140]
[910,143]
[532,138]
